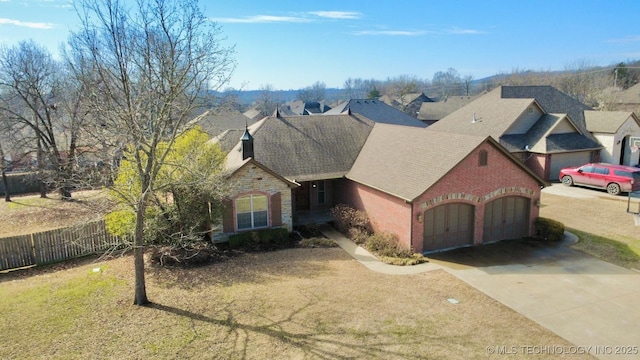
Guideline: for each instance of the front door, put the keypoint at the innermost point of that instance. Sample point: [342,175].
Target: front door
[302,196]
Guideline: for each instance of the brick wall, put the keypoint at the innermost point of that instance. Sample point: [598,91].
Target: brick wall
[478,185]
[467,183]
[252,179]
[385,212]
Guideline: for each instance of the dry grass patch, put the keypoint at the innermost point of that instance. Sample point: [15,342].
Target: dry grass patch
[29,213]
[289,304]
[605,229]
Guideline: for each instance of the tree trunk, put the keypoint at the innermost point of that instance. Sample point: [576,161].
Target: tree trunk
[5,182]
[138,255]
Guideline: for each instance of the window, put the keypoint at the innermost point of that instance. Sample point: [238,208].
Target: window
[251,212]
[601,170]
[321,193]
[482,158]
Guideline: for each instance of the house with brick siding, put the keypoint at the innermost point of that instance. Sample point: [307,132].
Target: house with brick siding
[434,190]
[540,125]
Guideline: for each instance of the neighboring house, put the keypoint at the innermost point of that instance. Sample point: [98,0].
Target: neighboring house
[613,129]
[299,107]
[432,111]
[540,125]
[407,103]
[375,110]
[214,122]
[433,190]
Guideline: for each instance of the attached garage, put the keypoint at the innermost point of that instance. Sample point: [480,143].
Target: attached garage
[506,218]
[448,226]
[563,160]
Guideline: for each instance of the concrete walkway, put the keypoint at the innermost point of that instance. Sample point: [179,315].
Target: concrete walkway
[370,261]
[591,303]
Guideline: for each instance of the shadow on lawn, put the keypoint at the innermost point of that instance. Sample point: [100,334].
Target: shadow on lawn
[250,268]
[310,342]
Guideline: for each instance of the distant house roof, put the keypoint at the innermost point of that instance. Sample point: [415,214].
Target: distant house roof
[493,115]
[302,148]
[216,121]
[377,111]
[299,107]
[405,162]
[607,122]
[541,137]
[552,100]
[432,111]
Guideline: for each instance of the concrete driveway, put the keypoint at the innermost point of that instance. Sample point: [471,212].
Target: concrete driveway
[591,303]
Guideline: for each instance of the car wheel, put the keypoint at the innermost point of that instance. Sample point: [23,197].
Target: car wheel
[567,180]
[613,189]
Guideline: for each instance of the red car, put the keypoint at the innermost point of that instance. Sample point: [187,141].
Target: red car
[614,178]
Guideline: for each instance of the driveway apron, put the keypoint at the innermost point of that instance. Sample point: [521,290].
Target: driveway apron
[589,302]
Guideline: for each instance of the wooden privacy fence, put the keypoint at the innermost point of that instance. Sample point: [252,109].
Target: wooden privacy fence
[55,245]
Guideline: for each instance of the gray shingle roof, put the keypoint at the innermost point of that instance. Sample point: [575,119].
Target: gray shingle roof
[493,115]
[377,111]
[405,162]
[433,111]
[219,120]
[551,100]
[303,148]
[607,122]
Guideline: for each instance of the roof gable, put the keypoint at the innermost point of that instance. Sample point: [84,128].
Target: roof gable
[489,115]
[551,100]
[405,162]
[607,122]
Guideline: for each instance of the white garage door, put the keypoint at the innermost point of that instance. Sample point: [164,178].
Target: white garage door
[562,160]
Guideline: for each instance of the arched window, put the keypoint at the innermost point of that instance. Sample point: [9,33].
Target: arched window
[251,212]
[482,158]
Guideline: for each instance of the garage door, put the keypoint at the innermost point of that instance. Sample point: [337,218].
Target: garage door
[563,160]
[506,218]
[448,226]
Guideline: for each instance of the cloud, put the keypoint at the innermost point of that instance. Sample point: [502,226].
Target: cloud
[390,32]
[32,25]
[628,39]
[457,31]
[261,19]
[337,14]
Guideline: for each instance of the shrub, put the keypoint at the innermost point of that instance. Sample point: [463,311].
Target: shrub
[358,235]
[347,217]
[261,240]
[317,242]
[549,229]
[386,244]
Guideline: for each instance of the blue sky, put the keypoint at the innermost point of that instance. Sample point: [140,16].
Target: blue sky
[293,44]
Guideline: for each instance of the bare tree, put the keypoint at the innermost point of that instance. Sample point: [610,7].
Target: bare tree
[402,86]
[315,92]
[154,62]
[467,81]
[267,100]
[448,81]
[34,88]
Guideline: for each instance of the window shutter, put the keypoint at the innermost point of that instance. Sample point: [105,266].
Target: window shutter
[276,209]
[227,217]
